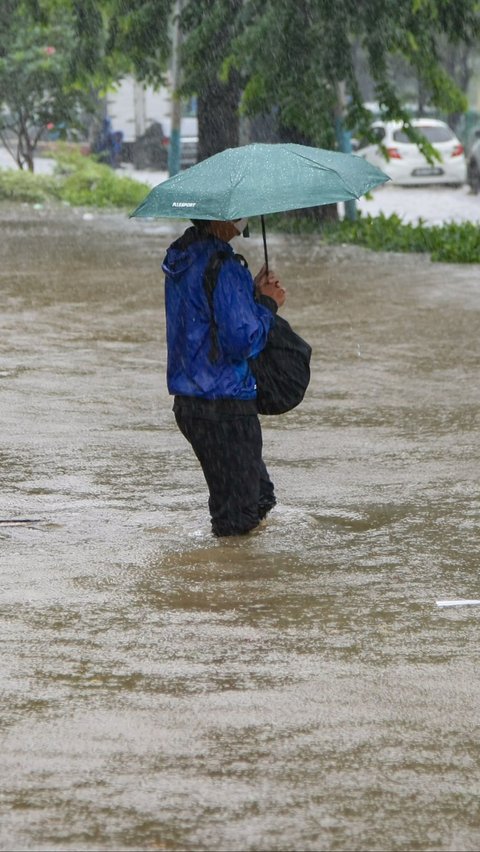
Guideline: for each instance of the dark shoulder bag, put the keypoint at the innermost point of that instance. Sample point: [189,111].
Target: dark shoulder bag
[282,368]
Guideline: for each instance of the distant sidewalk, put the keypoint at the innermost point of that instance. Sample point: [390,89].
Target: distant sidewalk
[45,166]
[435,205]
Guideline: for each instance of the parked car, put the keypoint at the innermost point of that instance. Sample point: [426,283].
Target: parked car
[147,151]
[473,164]
[150,151]
[406,164]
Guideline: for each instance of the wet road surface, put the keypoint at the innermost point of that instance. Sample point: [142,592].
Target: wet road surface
[297,689]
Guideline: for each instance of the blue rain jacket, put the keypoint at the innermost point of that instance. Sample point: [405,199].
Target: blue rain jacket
[242,324]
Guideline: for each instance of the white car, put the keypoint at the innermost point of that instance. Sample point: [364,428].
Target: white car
[406,164]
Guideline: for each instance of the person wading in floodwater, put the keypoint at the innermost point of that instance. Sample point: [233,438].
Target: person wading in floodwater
[211,335]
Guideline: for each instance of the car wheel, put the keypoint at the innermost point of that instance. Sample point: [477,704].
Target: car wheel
[474,178]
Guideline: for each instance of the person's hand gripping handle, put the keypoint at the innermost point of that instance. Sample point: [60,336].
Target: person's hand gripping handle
[267,283]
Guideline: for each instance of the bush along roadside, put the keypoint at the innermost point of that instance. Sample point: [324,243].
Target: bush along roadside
[449,243]
[78,180]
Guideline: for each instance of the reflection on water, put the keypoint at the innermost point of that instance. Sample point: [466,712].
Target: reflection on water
[293,689]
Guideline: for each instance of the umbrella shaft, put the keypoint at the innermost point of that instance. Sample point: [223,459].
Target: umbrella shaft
[264,242]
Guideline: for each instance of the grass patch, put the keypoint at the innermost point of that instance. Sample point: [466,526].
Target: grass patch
[449,243]
[78,180]
[23,186]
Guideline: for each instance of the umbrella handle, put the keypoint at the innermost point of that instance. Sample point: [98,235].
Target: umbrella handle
[264,242]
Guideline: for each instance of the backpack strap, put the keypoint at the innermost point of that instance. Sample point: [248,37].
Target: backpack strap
[210,279]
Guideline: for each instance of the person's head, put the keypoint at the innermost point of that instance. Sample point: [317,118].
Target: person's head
[225,231]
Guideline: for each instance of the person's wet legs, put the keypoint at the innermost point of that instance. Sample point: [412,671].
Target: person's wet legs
[267,498]
[230,453]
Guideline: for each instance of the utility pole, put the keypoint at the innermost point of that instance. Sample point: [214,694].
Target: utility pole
[174,145]
[139,108]
[344,142]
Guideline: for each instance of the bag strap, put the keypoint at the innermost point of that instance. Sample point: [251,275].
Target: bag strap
[210,279]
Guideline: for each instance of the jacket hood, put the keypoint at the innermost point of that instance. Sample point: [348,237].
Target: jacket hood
[188,249]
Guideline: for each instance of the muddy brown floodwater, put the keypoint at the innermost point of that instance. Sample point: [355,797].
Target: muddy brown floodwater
[297,689]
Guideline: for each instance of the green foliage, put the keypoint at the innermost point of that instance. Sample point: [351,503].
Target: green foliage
[87,61]
[27,187]
[208,27]
[138,34]
[294,55]
[57,56]
[449,243]
[78,180]
[36,84]
[84,182]
[454,243]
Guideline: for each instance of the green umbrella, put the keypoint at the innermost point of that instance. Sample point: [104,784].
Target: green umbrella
[256,179]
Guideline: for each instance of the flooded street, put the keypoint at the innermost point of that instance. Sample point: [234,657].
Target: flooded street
[296,689]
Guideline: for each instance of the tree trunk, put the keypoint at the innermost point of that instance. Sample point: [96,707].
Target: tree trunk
[218,120]
[25,149]
[457,63]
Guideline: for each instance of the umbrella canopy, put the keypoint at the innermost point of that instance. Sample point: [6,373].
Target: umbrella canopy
[261,178]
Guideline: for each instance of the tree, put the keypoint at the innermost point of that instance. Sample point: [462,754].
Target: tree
[210,26]
[139,36]
[458,59]
[290,59]
[139,29]
[295,54]
[49,55]
[58,56]
[294,59]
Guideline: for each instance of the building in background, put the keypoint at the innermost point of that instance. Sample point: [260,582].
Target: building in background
[143,115]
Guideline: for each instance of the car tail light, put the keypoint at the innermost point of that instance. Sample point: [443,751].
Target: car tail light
[165,141]
[394,154]
[459,149]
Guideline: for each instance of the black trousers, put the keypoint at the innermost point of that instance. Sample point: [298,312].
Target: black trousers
[229,449]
